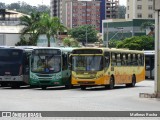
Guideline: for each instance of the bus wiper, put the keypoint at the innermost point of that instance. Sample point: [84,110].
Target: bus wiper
[40,58]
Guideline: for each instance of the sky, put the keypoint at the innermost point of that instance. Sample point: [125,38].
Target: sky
[45,2]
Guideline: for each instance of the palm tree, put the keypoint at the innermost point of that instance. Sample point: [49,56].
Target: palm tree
[31,25]
[50,26]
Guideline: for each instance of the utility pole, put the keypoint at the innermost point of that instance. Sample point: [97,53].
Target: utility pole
[157,47]
[156,94]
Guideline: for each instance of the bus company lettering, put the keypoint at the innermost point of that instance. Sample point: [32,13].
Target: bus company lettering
[143,115]
[22,115]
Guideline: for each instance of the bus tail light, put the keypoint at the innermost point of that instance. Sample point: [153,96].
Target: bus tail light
[20,70]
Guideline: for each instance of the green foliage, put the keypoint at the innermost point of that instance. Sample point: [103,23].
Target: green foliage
[146,24]
[38,24]
[79,33]
[23,42]
[50,26]
[137,43]
[31,25]
[70,42]
[113,43]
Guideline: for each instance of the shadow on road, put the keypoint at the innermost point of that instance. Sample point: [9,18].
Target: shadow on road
[55,88]
[102,88]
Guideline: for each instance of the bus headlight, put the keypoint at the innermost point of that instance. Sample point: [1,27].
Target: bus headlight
[57,76]
[33,76]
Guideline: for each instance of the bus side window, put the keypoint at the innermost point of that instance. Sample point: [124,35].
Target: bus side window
[113,61]
[134,60]
[139,59]
[142,59]
[129,59]
[119,63]
[126,59]
[106,59]
[123,58]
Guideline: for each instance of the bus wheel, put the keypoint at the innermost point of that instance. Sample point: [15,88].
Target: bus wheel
[43,87]
[111,85]
[83,87]
[133,82]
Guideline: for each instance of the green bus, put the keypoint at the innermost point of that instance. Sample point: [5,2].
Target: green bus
[49,67]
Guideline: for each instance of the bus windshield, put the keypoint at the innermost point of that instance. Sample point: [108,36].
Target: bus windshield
[10,55]
[46,63]
[87,63]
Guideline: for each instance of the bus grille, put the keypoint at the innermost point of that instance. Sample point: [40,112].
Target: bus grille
[43,75]
[44,81]
[86,77]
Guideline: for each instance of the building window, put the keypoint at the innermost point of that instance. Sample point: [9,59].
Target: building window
[139,7]
[150,16]
[128,15]
[150,7]
[139,15]
[128,7]
[139,0]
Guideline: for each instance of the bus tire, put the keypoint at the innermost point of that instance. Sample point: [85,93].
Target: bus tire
[133,82]
[111,84]
[83,87]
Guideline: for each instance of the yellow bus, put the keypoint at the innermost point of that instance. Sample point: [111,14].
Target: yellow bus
[107,67]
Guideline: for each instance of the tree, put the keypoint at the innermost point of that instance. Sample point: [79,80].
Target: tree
[50,26]
[83,32]
[13,6]
[113,43]
[146,24]
[30,26]
[137,43]
[2,5]
[70,42]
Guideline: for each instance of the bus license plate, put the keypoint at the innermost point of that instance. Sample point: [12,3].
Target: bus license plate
[7,78]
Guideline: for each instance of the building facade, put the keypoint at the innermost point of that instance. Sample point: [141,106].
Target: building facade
[58,9]
[109,10]
[139,9]
[80,12]
[121,29]
[10,30]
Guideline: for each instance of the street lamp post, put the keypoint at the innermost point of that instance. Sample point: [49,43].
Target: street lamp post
[86,36]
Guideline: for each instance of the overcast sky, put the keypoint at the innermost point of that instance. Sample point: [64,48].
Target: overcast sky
[39,2]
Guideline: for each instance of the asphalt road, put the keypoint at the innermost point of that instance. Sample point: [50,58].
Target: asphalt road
[95,99]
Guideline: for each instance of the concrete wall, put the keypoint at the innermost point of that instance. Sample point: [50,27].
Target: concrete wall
[9,39]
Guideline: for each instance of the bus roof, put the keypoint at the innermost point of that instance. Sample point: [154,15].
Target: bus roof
[149,52]
[66,49]
[112,49]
